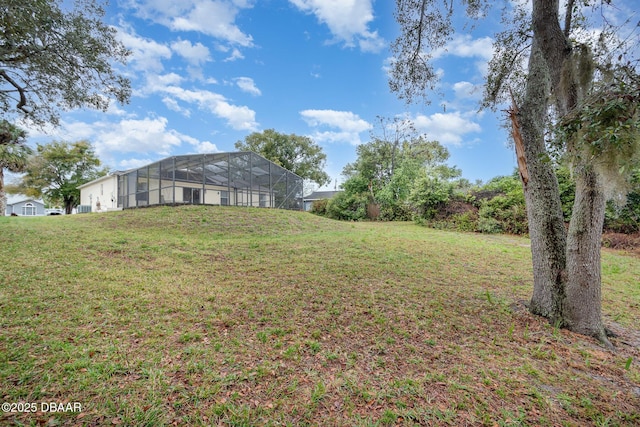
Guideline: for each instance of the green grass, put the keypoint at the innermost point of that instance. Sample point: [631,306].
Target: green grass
[229,316]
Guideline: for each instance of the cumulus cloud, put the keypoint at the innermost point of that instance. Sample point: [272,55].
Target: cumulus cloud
[345,126]
[133,163]
[246,84]
[149,135]
[348,21]
[238,117]
[465,46]
[466,91]
[147,55]
[195,54]
[212,17]
[447,128]
[173,105]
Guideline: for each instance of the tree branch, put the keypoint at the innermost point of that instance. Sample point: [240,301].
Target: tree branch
[568,15]
[23,98]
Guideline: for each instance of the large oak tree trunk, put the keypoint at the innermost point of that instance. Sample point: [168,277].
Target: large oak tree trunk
[576,300]
[544,208]
[583,291]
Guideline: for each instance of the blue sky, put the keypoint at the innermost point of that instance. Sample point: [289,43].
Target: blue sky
[206,73]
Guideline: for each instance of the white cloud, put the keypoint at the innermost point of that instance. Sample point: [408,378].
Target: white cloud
[234,56]
[465,46]
[447,128]
[348,125]
[158,82]
[133,163]
[147,55]
[467,91]
[195,54]
[212,17]
[348,21]
[149,135]
[344,120]
[238,117]
[173,105]
[202,147]
[246,84]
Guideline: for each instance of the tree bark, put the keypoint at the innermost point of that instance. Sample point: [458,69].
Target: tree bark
[580,303]
[3,200]
[544,208]
[582,306]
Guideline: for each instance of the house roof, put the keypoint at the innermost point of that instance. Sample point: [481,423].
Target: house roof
[319,195]
[21,198]
[102,178]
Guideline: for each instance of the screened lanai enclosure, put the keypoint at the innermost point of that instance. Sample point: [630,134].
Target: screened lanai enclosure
[229,179]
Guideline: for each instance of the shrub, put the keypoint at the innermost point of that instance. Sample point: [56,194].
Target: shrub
[319,207]
[348,207]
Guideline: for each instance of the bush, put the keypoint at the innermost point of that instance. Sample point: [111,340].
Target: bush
[487,223]
[348,207]
[428,195]
[319,207]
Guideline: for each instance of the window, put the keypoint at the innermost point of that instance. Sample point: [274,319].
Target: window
[263,200]
[102,189]
[224,198]
[28,209]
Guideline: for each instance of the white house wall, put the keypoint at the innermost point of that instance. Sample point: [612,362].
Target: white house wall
[104,191]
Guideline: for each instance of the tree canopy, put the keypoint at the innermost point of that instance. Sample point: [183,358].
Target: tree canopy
[58,168]
[13,154]
[54,56]
[298,154]
[399,171]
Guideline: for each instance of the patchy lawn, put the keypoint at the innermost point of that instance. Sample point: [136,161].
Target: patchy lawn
[242,317]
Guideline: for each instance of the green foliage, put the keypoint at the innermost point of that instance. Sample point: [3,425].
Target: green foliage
[57,57]
[505,211]
[13,148]
[348,206]
[13,154]
[319,207]
[386,173]
[428,194]
[57,169]
[298,154]
[567,187]
[625,218]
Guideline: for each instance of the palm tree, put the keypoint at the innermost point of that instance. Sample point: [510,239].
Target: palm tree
[13,154]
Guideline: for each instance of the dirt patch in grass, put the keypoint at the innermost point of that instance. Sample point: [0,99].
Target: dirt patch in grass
[220,316]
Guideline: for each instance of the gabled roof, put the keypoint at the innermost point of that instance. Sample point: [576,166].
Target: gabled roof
[21,198]
[320,195]
[102,178]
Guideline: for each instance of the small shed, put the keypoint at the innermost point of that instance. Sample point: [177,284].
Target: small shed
[317,195]
[25,207]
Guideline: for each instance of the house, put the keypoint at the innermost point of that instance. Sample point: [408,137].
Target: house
[24,207]
[317,195]
[100,194]
[229,179]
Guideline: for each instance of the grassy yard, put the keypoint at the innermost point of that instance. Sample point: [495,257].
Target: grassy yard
[243,317]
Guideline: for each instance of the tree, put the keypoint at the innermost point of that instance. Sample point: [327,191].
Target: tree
[57,169]
[13,155]
[53,58]
[298,154]
[388,167]
[575,89]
